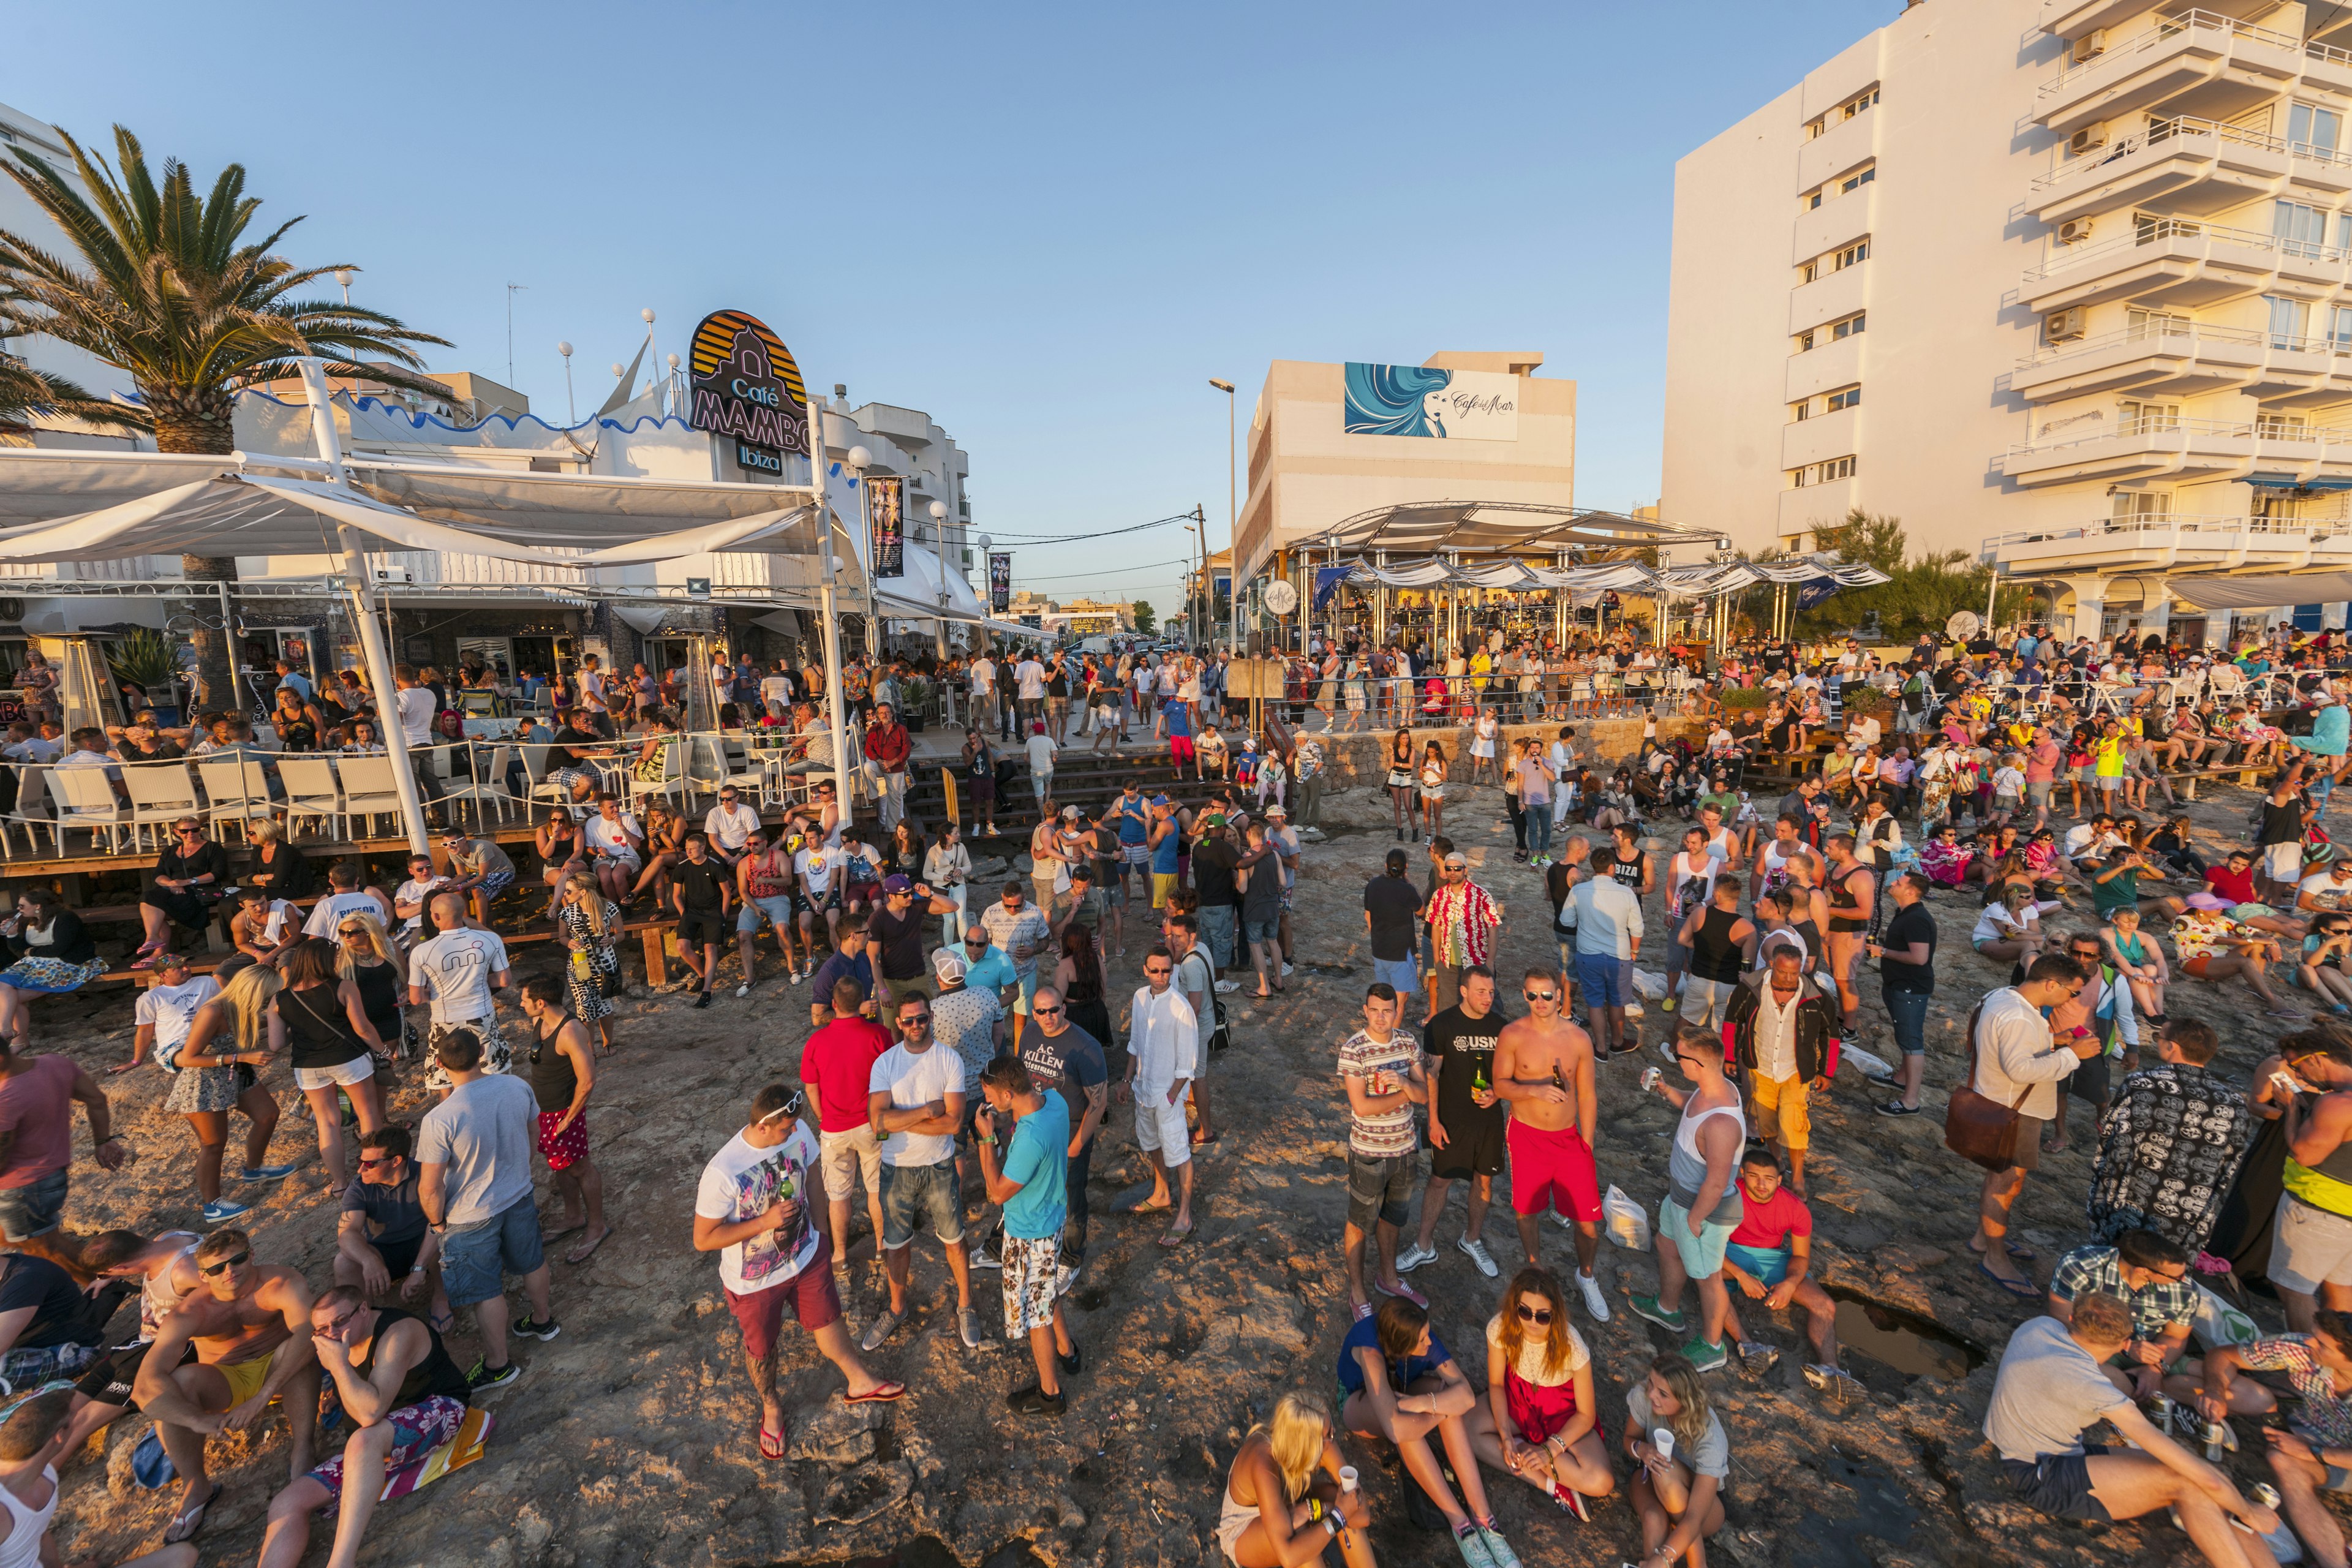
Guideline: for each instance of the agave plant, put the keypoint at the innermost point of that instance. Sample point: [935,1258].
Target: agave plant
[163,284]
[142,657]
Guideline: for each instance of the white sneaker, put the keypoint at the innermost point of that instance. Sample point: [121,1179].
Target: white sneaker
[1478,1254]
[1594,1302]
[1287,971]
[1414,1257]
[743,990]
[1227,987]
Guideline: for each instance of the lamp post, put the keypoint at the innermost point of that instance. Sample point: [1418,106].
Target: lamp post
[571,413]
[1233,520]
[939,510]
[860,459]
[831,628]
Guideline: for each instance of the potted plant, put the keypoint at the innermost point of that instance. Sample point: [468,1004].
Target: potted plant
[144,663]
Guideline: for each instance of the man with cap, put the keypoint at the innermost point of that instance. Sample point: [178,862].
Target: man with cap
[971,1022]
[1284,840]
[1166,841]
[986,967]
[894,938]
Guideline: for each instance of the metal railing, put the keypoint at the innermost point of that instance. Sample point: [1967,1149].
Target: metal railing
[2180,128]
[2172,229]
[2171,29]
[2187,337]
[2167,522]
[2265,430]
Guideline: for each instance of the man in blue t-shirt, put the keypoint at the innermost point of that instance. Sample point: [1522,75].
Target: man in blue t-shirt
[1032,1128]
[1133,820]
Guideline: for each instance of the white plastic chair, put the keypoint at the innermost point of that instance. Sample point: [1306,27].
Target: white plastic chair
[87,803]
[673,783]
[161,793]
[490,790]
[236,792]
[32,814]
[368,789]
[312,794]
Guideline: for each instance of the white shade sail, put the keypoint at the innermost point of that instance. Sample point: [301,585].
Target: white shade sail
[2262,593]
[916,595]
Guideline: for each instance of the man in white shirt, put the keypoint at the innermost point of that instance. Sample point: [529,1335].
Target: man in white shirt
[2017,1056]
[1042,749]
[1162,1060]
[776,691]
[915,1101]
[818,865]
[458,971]
[415,704]
[983,692]
[1563,763]
[345,896]
[730,825]
[1030,675]
[410,899]
[1606,916]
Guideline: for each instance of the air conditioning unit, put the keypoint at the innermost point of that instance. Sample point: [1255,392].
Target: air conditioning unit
[2074,231]
[2065,326]
[2089,139]
[2090,46]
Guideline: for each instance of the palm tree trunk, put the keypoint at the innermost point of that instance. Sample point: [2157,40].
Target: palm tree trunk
[198,421]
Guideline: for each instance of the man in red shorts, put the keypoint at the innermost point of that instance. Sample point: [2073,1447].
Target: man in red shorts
[1543,1066]
[752,1209]
[563,1075]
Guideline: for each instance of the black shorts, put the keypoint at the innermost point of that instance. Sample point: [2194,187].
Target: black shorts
[706,926]
[399,1257]
[1474,1147]
[2091,1081]
[111,1377]
[2059,1485]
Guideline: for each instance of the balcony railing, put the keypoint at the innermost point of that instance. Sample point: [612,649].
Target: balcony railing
[2269,428]
[2169,29]
[2184,129]
[2170,522]
[2172,229]
[452,568]
[2188,337]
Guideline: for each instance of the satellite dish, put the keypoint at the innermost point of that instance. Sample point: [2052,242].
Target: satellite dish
[1962,626]
[1280,597]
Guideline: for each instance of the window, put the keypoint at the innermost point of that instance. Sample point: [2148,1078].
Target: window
[2141,322]
[1801,410]
[1812,270]
[1846,328]
[1837,468]
[1850,398]
[1821,473]
[1859,104]
[2313,129]
[2290,322]
[2147,418]
[1804,343]
[1858,181]
[1814,128]
[2339,329]
[1812,201]
[2134,506]
[2282,427]
[2301,230]
[1851,255]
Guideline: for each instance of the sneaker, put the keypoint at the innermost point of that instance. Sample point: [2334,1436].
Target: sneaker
[1704,1356]
[1287,971]
[884,1324]
[1471,1541]
[1667,1053]
[742,991]
[1756,1360]
[1896,1107]
[1402,1292]
[1035,1401]
[1227,987]
[1073,1364]
[1647,1308]
[1477,1254]
[968,1325]
[1884,1079]
[481,1380]
[1414,1257]
[1573,1501]
[703,999]
[1595,1303]
[541,1329]
[987,1254]
[1667,1005]
[220,1211]
[267,1172]
[1835,1383]
[1497,1549]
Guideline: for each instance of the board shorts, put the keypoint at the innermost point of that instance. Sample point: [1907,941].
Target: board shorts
[1779,1104]
[707,927]
[1770,1264]
[1033,1280]
[566,1148]
[1552,1170]
[812,1294]
[778,908]
[1701,1246]
[416,1430]
[1474,1147]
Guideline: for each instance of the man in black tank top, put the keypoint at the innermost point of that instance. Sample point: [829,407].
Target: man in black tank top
[405,1397]
[1717,935]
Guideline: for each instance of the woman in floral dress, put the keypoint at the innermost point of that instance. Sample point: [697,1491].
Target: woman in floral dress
[590,925]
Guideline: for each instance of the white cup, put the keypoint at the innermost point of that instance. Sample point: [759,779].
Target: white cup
[1346,1478]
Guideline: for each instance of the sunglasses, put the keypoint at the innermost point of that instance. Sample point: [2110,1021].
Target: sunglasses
[908,1020]
[789,1108]
[1533,1314]
[367,1163]
[225,1264]
[1043,1012]
[1540,995]
[1158,969]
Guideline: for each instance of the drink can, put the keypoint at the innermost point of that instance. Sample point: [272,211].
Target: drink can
[2264,1493]
[1650,1076]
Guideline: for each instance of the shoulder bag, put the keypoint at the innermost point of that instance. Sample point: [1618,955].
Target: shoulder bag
[1977,1128]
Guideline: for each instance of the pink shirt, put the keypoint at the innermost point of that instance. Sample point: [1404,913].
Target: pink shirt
[36,1105]
[2042,761]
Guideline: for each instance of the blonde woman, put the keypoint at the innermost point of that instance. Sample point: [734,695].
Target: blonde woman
[1276,1510]
[1679,1498]
[334,1047]
[366,957]
[591,924]
[1432,790]
[232,1037]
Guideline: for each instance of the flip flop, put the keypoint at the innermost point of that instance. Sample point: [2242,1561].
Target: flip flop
[567,1230]
[881,1394]
[2022,1289]
[2022,1254]
[444,1323]
[191,1519]
[587,1250]
[772,1443]
[1147,1207]
[1175,1238]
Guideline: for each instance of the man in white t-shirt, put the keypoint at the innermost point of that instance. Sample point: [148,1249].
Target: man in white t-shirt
[730,825]
[415,707]
[753,1208]
[410,898]
[916,1100]
[776,691]
[344,897]
[818,865]
[166,1012]
[983,692]
[458,971]
[1030,677]
[1562,757]
[1042,749]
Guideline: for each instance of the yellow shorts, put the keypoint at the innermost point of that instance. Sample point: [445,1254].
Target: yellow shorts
[245,1377]
[1162,886]
[1779,1107]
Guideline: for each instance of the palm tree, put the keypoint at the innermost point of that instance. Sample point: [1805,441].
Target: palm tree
[25,391]
[163,285]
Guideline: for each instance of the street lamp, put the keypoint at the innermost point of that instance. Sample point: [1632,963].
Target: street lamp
[938,512]
[343,275]
[1233,522]
[571,413]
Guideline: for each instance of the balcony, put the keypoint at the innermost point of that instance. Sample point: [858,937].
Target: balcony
[2185,359]
[1831,435]
[2093,445]
[1818,506]
[1837,152]
[1841,220]
[2191,165]
[2073,18]
[2198,61]
[2179,262]
[1831,364]
[2173,542]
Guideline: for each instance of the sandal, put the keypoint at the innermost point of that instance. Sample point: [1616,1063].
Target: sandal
[1176,1235]
[880,1394]
[587,1249]
[191,1519]
[772,1443]
[2024,1289]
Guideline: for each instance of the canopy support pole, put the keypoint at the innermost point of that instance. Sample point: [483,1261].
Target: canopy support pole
[373,646]
[828,614]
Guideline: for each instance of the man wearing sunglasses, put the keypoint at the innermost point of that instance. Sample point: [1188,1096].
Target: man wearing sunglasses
[1543,1067]
[915,1102]
[250,1326]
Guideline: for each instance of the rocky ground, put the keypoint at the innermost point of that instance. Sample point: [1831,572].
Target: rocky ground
[631,1438]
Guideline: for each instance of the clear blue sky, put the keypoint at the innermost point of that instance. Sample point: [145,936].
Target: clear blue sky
[1048,227]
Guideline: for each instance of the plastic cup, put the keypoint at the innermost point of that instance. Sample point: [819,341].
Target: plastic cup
[1346,1478]
[1663,1438]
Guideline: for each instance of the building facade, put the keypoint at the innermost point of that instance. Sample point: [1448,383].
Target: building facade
[2063,282]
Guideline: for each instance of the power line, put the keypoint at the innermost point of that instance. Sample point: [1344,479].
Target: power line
[1107,571]
[1044,539]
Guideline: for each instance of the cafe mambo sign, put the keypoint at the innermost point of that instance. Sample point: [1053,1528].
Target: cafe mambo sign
[746,385]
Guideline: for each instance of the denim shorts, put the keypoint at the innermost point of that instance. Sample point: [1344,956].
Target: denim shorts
[910,1192]
[34,1208]
[473,1255]
[1263,931]
[1402,974]
[778,910]
[1602,976]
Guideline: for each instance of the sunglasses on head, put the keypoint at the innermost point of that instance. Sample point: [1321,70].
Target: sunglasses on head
[225,1264]
[789,1108]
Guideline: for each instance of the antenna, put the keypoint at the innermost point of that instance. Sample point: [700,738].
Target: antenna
[512,288]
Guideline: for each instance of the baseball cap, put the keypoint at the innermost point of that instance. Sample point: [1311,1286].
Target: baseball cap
[1276,810]
[1161,800]
[1068,811]
[948,964]
[1456,859]
[898,884]
[1214,819]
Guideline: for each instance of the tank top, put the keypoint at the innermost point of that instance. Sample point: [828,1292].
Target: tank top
[1163,854]
[436,1373]
[978,765]
[323,1037]
[1842,899]
[1714,955]
[379,997]
[1687,1167]
[554,1078]
[27,1526]
[769,876]
[157,1298]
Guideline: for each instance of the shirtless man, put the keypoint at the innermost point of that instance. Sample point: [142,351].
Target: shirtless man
[165,1270]
[1543,1066]
[250,1325]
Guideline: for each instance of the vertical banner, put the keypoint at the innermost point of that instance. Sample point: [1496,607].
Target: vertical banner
[999,581]
[886,510]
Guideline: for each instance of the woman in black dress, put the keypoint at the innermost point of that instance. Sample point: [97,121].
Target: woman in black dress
[2307,1064]
[366,957]
[278,870]
[298,723]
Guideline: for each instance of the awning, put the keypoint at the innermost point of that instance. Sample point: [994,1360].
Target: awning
[2262,593]
[916,595]
[1486,528]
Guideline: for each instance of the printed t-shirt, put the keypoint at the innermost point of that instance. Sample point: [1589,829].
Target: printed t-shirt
[740,1183]
[1388,1133]
[1465,1048]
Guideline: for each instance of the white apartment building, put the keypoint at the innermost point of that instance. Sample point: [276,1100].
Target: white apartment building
[2065,282]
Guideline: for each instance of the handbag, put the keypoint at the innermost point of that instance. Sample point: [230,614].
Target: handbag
[1977,1128]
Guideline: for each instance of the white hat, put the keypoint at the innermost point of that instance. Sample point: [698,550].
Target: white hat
[947,964]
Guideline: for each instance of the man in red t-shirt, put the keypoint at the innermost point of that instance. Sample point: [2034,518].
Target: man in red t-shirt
[2233,884]
[837,1066]
[37,1146]
[1766,1260]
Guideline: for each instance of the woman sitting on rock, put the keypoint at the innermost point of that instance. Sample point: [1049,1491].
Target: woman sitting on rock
[1402,1386]
[1276,1510]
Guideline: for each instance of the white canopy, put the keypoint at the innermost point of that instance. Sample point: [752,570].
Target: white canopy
[916,595]
[2261,593]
